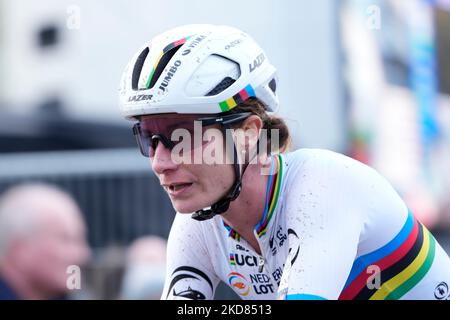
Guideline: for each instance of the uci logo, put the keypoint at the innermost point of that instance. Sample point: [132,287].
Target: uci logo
[441,291]
[242,260]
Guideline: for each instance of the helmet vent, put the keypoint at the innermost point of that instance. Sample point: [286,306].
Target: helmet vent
[224,84]
[163,63]
[138,68]
[273,85]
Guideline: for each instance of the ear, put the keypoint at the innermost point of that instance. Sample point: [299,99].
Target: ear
[252,127]
[253,122]
[247,135]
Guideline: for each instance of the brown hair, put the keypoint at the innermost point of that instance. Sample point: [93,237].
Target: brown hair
[270,122]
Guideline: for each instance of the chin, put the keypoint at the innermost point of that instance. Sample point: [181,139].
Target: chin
[187,206]
[184,207]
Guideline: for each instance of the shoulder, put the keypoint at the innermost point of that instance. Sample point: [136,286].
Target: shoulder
[332,182]
[317,158]
[320,165]
[326,177]
[184,232]
[190,234]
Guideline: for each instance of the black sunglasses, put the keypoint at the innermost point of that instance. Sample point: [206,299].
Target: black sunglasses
[149,132]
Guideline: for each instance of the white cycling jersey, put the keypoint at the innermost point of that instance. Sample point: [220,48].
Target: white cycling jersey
[333,228]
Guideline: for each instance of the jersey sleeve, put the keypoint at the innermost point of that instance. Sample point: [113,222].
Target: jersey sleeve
[190,274]
[326,208]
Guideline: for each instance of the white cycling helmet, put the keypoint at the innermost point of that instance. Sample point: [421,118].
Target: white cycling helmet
[198,69]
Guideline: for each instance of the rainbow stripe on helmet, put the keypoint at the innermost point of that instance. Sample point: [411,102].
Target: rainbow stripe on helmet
[165,50]
[238,98]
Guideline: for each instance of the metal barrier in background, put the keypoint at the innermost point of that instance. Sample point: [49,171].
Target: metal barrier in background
[119,195]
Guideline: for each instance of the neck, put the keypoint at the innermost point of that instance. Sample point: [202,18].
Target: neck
[248,209]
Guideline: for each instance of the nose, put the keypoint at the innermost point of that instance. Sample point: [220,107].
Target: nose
[162,160]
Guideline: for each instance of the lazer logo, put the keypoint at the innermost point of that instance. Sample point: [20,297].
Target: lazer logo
[140,97]
[169,75]
[193,45]
[257,62]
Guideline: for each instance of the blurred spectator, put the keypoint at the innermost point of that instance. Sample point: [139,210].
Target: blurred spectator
[145,269]
[41,234]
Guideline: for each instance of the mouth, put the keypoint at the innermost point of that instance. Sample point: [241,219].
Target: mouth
[176,189]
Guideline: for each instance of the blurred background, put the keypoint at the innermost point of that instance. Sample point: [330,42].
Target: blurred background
[370,79]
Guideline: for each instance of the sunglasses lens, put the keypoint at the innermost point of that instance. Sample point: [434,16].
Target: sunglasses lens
[142,139]
[147,130]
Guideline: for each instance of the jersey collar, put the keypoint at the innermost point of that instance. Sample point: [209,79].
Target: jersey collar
[272,195]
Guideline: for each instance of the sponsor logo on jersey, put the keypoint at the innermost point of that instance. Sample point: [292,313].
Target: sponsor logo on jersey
[169,75]
[277,274]
[189,294]
[441,291]
[243,260]
[261,283]
[183,280]
[257,62]
[241,248]
[239,283]
[277,240]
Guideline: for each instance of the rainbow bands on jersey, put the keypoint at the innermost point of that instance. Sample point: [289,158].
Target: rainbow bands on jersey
[401,264]
[272,193]
[231,232]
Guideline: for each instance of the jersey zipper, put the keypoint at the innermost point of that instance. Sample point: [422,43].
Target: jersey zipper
[261,263]
[261,260]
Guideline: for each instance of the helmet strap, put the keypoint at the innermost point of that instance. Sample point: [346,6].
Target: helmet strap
[223,204]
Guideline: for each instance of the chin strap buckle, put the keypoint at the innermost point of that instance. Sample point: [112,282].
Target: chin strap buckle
[219,207]
[223,204]
[202,215]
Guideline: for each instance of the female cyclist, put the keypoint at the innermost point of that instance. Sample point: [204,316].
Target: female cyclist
[308,224]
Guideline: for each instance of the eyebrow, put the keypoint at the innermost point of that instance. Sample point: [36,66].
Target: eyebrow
[178,124]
